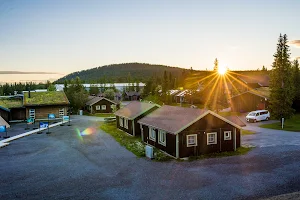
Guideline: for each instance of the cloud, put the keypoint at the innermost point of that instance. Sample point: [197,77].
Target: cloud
[295,43]
[18,72]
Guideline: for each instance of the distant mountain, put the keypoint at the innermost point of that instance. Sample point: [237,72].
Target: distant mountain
[122,73]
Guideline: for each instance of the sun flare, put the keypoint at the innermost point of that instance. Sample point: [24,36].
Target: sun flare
[222,70]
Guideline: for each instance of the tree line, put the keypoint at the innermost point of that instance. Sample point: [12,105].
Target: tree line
[12,88]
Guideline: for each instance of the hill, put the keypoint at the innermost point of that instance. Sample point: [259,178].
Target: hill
[122,73]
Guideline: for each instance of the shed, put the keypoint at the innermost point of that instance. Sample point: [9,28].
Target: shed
[183,132]
[12,109]
[257,99]
[101,105]
[128,116]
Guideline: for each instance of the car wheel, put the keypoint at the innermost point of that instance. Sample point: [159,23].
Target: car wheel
[267,118]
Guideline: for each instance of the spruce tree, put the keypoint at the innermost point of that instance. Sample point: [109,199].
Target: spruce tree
[216,66]
[281,81]
[296,79]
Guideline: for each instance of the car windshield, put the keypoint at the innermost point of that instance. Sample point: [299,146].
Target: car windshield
[252,114]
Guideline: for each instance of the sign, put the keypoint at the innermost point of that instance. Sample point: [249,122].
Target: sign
[66,118]
[44,124]
[2,129]
[30,121]
[51,116]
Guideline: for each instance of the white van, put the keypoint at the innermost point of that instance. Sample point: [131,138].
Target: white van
[258,115]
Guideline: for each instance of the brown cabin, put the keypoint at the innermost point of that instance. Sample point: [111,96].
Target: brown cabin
[183,132]
[101,105]
[132,96]
[245,83]
[39,104]
[257,99]
[128,116]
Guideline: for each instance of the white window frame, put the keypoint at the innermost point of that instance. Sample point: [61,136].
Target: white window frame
[32,113]
[162,137]
[61,112]
[188,143]
[227,137]
[152,130]
[215,137]
[98,107]
[121,121]
[125,123]
[103,107]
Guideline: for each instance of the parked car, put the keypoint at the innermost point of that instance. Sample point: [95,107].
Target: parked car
[258,115]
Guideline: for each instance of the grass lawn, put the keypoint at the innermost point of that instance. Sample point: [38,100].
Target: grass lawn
[99,114]
[104,115]
[133,144]
[247,132]
[292,124]
[239,151]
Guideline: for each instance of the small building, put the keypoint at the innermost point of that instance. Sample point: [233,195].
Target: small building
[183,132]
[12,109]
[256,99]
[245,83]
[118,96]
[128,116]
[101,105]
[180,97]
[132,96]
[39,104]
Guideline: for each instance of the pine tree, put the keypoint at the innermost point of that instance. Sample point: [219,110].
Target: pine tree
[281,81]
[216,66]
[296,79]
[264,68]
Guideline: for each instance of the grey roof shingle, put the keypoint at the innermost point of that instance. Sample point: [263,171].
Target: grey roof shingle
[135,109]
[171,118]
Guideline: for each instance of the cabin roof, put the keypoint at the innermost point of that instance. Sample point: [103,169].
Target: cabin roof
[135,109]
[8,103]
[97,99]
[174,119]
[46,98]
[263,92]
[262,80]
[132,93]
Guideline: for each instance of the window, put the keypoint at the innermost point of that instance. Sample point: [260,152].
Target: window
[227,135]
[32,113]
[125,123]
[97,107]
[103,107]
[121,121]
[152,134]
[191,140]
[162,137]
[61,112]
[211,138]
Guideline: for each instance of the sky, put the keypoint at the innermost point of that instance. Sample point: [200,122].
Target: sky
[53,38]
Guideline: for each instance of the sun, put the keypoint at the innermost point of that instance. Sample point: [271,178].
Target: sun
[222,70]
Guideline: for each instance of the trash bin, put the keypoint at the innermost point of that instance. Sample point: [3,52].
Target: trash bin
[80,112]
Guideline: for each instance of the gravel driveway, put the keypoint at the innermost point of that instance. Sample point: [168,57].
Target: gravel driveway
[63,165]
